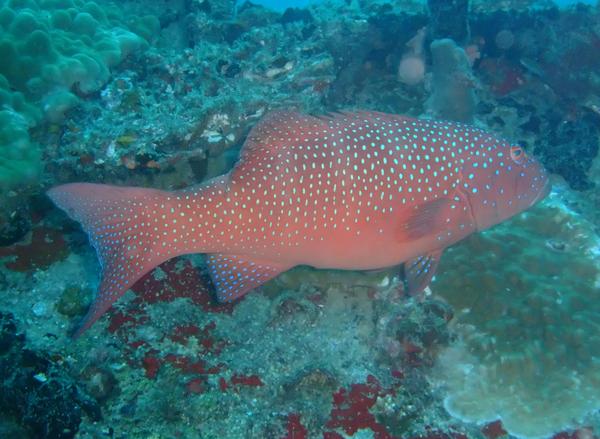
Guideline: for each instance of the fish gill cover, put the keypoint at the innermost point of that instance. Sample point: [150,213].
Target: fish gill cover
[375,131]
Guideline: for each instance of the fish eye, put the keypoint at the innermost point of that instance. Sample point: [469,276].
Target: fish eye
[517,154]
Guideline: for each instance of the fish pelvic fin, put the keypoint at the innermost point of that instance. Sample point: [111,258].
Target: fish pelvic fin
[122,226]
[419,271]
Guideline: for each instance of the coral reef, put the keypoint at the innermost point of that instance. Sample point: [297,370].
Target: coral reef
[313,353]
[527,332]
[53,51]
[15,221]
[554,108]
[74,301]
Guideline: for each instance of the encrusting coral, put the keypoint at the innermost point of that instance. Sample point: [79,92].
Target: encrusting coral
[526,332]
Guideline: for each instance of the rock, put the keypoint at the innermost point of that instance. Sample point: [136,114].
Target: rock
[100,382]
[296,14]
[449,19]
[14,223]
[8,332]
[39,309]
[40,395]
[74,301]
[569,148]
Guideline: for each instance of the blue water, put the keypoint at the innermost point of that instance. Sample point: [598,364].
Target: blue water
[282,5]
[565,3]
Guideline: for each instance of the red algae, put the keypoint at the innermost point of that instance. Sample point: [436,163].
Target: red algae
[182,333]
[439,435]
[246,380]
[504,78]
[181,280]
[295,429]
[151,365]
[188,366]
[582,433]
[120,319]
[173,280]
[43,247]
[494,430]
[223,384]
[351,409]
[195,386]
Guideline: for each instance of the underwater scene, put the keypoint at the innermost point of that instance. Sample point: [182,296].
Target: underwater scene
[366,219]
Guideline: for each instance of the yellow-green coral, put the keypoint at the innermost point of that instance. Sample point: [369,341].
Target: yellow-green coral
[49,50]
[527,303]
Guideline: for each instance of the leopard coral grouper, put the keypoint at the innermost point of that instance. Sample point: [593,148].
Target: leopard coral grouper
[352,191]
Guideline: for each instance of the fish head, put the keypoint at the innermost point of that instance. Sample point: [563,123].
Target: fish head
[500,180]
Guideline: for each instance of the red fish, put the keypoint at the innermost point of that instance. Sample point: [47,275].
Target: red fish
[351,191]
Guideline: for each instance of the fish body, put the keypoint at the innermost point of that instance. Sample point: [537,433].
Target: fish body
[352,191]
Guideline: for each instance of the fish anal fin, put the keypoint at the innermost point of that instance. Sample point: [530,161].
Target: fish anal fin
[419,271]
[424,219]
[234,276]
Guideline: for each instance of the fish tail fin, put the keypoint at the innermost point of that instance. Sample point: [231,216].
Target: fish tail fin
[121,225]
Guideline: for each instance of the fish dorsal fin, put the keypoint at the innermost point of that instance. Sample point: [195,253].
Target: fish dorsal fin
[282,129]
[419,271]
[278,130]
[364,120]
[234,276]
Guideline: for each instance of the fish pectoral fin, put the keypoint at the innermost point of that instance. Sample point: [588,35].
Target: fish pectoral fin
[234,276]
[422,220]
[419,271]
